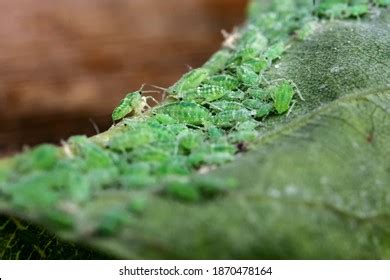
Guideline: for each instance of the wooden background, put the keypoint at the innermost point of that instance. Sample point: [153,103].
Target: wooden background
[67,61]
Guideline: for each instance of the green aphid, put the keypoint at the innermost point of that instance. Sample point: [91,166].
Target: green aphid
[100,178]
[186,113]
[258,93]
[358,10]
[248,125]
[190,139]
[217,61]
[77,186]
[138,204]
[189,81]
[247,75]
[132,139]
[43,157]
[265,110]
[93,155]
[243,55]
[139,168]
[333,8]
[225,81]
[253,104]
[243,136]
[133,102]
[35,191]
[275,51]
[258,64]
[252,38]
[282,95]
[164,119]
[237,95]
[205,93]
[181,189]
[224,105]
[151,154]
[230,118]
[215,133]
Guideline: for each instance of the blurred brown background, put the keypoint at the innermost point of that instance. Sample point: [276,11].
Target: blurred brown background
[66,61]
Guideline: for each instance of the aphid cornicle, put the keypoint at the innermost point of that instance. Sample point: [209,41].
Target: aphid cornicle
[133,102]
[188,81]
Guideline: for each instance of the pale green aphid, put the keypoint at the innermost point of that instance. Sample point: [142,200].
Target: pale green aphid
[215,133]
[307,30]
[217,61]
[253,104]
[223,80]
[186,112]
[247,75]
[179,187]
[252,38]
[265,110]
[177,165]
[133,102]
[132,139]
[237,95]
[200,158]
[275,51]
[258,64]
[382,3]
[258,93]
[43,157]
[230,118]
[189,81]
[205,93]
[282,95]
[93,155]
[190,139]
[243,55]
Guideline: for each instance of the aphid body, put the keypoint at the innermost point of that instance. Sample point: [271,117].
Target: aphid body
[205,93]
[133,102]
[230,118]
[223,80]
[189,81]
[275,51]
[247,75]
[224,105]
[186,112]
[282,95]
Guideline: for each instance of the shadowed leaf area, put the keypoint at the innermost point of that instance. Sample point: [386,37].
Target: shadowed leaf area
[310,182]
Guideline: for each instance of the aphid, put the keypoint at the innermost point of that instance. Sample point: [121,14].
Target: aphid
[258,64]
[248,125]
[190,139]
[217,61]
[226,81]
[188,81]
[43,157]
[253,104]
[151,154]
[282,95]
[133,102]
[137,181]
[237,95]
[275,51]
[205,93]
[357,10]
[252,38]
[93,155]
[199,158]
[215,133]
[132,139]
[382,3]
[224,105]
[307,29]
[164,119]
[230,118]
[265,110]
[242,55]
[258,93]
[247,75]
[177,165]
[186,112]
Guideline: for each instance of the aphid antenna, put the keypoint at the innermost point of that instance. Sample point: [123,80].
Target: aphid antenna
[164,94]
[94,125]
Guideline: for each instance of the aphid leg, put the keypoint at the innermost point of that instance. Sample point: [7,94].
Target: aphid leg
[164,94]
[151,98]
[291,108]
[297,89]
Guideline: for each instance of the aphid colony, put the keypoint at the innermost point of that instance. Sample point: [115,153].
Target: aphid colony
[210,116]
